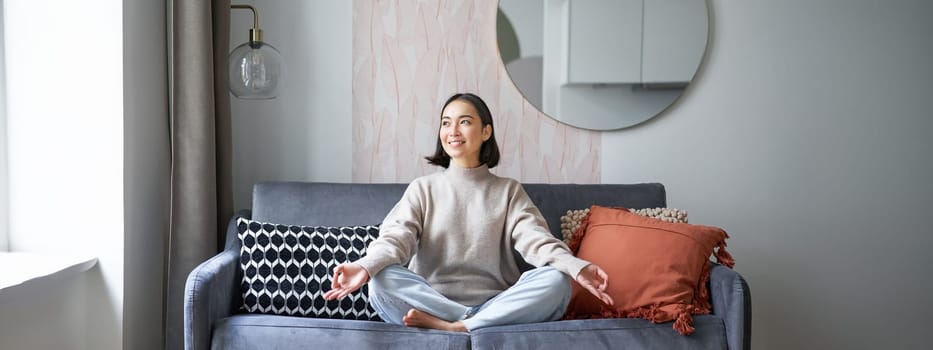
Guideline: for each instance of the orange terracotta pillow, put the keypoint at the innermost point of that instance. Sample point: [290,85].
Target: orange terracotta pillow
[657,270]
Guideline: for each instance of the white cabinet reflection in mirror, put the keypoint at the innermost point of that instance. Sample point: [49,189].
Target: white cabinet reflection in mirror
[602,64]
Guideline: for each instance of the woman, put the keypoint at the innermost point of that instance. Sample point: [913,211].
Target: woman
[456,230]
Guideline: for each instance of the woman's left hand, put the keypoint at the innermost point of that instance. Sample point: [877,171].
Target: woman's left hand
[595,280]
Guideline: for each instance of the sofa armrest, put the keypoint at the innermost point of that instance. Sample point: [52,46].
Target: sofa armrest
[209,297]
[212,290]
[732,301]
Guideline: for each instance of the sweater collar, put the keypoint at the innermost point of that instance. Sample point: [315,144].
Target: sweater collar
[478,173]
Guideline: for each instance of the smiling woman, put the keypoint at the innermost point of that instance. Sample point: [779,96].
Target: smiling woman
[602,64]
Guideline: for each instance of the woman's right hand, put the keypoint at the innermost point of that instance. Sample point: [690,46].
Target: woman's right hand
[347,278]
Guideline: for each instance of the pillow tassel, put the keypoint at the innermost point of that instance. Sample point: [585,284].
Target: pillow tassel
[723,256]
[684,323]
[651,313]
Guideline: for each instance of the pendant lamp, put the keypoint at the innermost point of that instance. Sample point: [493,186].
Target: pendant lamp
[255,67]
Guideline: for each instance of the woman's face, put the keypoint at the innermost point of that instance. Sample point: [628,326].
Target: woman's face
[462,133]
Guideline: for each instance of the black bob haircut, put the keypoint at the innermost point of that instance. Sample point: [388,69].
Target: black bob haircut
[488,152]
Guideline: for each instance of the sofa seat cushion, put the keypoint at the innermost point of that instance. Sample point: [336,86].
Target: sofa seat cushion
[254,331]
[593,334]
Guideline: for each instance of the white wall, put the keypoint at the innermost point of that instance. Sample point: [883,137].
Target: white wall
[65,125]
[304,134]
[44,314]
[805,136]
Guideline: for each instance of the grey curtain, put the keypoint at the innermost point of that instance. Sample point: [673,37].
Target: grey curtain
[202,199]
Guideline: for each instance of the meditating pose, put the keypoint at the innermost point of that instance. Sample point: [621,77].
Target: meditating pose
[456,231]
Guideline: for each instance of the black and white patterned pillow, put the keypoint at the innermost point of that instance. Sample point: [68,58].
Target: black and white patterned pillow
[287,269]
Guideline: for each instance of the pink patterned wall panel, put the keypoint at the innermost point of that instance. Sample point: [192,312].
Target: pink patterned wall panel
[409,57]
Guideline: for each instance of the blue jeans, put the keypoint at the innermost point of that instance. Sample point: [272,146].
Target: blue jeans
[539,295]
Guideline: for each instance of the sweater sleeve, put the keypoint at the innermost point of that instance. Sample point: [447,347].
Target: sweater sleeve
[532,239]
[398,233]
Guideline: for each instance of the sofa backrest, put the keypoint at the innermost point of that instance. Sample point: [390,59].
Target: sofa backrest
[341,204]
[554,200]
[324,204]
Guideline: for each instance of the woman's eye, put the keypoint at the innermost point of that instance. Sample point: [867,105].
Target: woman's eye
[464,122]
[445,123]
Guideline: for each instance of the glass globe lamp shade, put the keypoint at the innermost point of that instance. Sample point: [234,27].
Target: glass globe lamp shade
[255,71]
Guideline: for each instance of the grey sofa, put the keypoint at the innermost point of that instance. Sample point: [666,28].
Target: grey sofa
[212,295]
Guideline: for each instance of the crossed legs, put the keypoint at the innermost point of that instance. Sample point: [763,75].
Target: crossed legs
[404,298]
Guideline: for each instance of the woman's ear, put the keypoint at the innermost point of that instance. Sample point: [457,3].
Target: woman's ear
[487,132]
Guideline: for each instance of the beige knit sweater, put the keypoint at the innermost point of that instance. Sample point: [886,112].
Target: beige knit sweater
[457,228]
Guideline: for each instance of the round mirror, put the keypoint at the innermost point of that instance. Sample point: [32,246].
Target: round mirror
[602,64]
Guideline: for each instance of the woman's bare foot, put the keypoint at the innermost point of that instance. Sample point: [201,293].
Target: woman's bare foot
[420,319]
